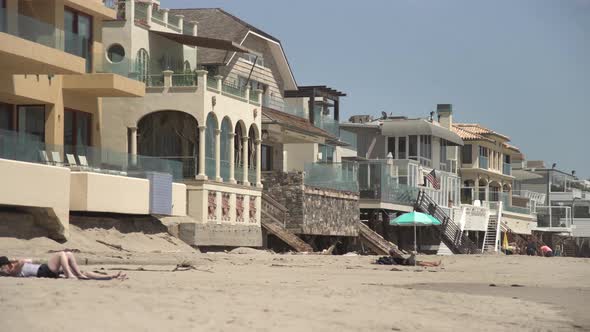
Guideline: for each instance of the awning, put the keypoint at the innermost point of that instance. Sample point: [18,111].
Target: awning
[407,127]
[218,44]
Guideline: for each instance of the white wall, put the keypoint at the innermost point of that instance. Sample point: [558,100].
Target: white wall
[299,154]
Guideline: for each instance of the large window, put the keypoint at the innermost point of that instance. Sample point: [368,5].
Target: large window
[483,152]
[466,154]
[242,81]
[31,120]
[426,147]
[6,117]
[413,147]
[443,150]
[77,128]
[401,148]
[257,59]
[266,156]
[78,39]
[391,147]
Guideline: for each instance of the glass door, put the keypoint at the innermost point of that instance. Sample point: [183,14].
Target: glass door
[78,35]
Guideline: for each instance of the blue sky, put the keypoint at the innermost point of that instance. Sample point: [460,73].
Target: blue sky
[520,67]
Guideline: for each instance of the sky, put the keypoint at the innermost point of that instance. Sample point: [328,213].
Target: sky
[519,67]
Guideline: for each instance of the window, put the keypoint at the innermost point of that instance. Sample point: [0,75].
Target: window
[116,53]
[78,40]
[401,148]
[77,128]
[187,67]
[266,158]
[426,147]
[242,81]
[443,150]
[507,158]
[391,146]
[6,117]
[142,65]
[31,120]
[413,147]
[253,58]
[483,152]
[327,152]
[466,154]
[2,15]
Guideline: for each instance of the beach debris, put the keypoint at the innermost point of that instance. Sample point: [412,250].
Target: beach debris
[114,246]
[353,253]
[516,285]
[249,251]
[76,251]
[492,285]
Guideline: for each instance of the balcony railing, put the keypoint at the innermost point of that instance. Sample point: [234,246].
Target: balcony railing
[155,81]
[483,162]
[279,104]
[507,169]
[187,79]
[233,90]
[554,217]
[141,12]
[39,32]
[187,28]
[376,181]
[350,138]
[254,97]
[27,148]
[335,176]
[158,17]
[174,23]
[324,122]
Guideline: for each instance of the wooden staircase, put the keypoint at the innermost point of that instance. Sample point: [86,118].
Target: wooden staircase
[522,240]
[377,243]
[274,219]
[451,234]
[490,240]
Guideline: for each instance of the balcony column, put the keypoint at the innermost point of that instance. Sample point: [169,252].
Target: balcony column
[194,23]
[396,148]
[475,193]
[130,10]
[247,94]
[219,79]
[201,80]
[148,18]
[218,155]
[232,158]
[245,157]
[167,78]
[258,163]
[259,93]
[180,23]
[133,144]
[165,15]
[201,175]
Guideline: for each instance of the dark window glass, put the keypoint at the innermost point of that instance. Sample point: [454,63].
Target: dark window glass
[413,147]
[31,120]
[2,15]
[466,154]
[266,158]
[116,53]
[76,128]
[401,148]
[391,147]
[78,36]
[507,159]
[6,115]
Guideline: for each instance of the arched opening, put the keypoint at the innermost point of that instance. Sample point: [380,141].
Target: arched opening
[170,135]
[210,145]
[142,65]
[468,194]
[226,141]
[495,191]
[239,132]
[483,190]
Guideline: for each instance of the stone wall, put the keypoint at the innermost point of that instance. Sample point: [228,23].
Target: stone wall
[314,211]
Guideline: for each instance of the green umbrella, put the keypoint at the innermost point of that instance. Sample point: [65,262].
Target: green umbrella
[415,219]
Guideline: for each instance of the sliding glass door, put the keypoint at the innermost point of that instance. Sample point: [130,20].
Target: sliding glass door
[78,30]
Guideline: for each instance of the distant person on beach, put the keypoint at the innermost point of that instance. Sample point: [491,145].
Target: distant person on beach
[393,259]
[62,262]
[547,252]
[531,248]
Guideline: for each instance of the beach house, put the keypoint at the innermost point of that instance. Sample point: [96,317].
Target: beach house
[400,157]
[191,114]
[308,191]
[563,212]
[56,72]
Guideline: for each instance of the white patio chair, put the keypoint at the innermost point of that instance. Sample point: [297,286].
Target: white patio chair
[44,158]
[84,165]
[56,158]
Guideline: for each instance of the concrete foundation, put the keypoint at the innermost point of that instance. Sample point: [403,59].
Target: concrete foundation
[224,235]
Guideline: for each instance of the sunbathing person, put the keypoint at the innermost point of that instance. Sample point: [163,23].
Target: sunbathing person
[59,263]
[393,259]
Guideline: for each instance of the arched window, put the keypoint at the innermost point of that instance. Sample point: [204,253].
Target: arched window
[226,133]
[187,67]
[142,65]
[239,151]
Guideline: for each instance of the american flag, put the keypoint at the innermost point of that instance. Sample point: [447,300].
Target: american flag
[431,177]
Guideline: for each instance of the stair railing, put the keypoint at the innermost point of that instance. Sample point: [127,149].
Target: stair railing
[274,208]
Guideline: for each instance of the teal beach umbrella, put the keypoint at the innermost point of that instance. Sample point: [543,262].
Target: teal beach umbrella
[415,219]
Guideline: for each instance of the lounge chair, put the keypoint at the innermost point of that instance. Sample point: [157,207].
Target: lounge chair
[56,158]
[44,158]
[84,165]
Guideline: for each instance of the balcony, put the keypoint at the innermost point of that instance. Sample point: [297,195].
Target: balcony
[279,104]
[322,121]
[483,162]
[376,182]
[334,176]
[30,46]
[27,148]
[554,218]
[161,19]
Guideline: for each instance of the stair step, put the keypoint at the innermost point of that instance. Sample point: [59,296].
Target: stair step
[377,243]
[275,228]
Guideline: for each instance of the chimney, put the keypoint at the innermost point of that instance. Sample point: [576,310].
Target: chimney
[445,115]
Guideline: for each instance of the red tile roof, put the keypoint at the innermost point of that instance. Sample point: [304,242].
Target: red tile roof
[273,116]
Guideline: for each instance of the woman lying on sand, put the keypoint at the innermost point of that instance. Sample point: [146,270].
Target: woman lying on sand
[411,260]
[60,262]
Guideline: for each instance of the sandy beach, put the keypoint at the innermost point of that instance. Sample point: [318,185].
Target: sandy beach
[268,292]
